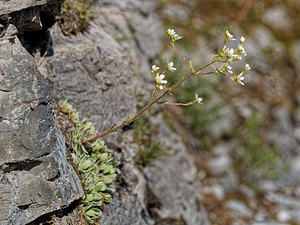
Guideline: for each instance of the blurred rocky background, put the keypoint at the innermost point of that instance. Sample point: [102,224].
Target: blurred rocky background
[245,138]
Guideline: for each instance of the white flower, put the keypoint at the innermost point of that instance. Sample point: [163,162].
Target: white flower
[230,52]
[229,36]
[160,87]
[154,68]
[241,50]
[176,37]
[247,67]
[160,79]
[240,78]
[237,57]
[228,69]
[242,40]
[198,99]
[170,67]
[171,32]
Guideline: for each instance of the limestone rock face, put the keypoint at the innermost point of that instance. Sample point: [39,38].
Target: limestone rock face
[173,182]
[35,177]
[27,15]
[11,6]
[94,74]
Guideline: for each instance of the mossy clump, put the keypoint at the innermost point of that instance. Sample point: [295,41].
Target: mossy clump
[147,157]
[150,150]
[258,160]
[94,164]
[76,15]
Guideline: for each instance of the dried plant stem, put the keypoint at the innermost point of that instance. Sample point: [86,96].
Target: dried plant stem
[156,100]
[182,57]
[113,129]
[176,103]
[151,103]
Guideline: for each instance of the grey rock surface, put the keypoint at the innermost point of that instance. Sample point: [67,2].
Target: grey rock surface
[35,177]
[128,206]
[239,208]
[27,15]
[11,6]
[94,74]
[173,182]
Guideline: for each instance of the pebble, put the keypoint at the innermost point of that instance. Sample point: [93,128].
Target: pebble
[221,149]
[295,164]
[218,191]
[297,132]
[220,164]
[283,216]
[297,191]
[239,207]
[230,181]
[278,17]
[261,215]
[268,186]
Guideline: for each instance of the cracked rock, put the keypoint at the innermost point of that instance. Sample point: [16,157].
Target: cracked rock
[35,177]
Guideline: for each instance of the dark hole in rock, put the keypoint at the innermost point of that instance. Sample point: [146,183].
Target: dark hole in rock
[24,207]
[58,213]
[19,166]
[39,40]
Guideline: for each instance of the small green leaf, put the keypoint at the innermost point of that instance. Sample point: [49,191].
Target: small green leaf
[103,156]
[85,163]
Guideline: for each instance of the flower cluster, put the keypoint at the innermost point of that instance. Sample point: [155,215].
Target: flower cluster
[240,77]
[159,78]
[172,35]
[198,99]
[229,36]
[159,81]
[170,67]
[154,68]
[228,56]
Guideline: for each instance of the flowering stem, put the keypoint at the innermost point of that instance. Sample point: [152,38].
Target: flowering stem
[203,67]
[201,74]
[188,76]
[152,102]
[181,56]
[177,103]
[111,130]
[227,56]
[223,74]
